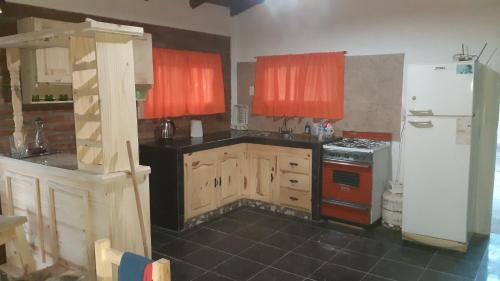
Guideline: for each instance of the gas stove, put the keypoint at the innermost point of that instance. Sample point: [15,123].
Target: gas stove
[355,173]
[352,150]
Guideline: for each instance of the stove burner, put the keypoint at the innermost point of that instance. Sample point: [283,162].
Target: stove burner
[356,143]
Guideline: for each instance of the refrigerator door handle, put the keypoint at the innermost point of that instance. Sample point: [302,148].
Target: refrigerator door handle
[421,124]
[427,112]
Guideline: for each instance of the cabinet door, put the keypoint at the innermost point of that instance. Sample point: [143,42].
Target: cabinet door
[143,61]
[52,65]
[200,180]
[262,175]
[230,177]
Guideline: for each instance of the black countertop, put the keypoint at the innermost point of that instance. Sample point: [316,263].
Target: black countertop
[235,137]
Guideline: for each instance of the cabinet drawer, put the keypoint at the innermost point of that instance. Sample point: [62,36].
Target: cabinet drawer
[295,181]
[295,199]
[294,164]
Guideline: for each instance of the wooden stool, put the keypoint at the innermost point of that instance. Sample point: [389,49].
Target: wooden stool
[105,257]
[11,229]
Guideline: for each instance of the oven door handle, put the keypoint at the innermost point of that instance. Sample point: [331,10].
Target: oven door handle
[348,164]
[345,204]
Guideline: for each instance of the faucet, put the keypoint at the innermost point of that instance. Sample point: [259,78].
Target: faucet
[284,129]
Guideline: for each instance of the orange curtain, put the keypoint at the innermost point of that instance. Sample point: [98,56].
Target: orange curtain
[309,85]
[185,83]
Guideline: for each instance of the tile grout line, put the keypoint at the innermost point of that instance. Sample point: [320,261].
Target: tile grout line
[238,254]
[427,265]
[287,253]
[378,261]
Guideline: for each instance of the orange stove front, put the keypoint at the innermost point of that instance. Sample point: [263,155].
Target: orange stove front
[347,191]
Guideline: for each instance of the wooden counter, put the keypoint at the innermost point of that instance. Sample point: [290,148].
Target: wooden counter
[68,210]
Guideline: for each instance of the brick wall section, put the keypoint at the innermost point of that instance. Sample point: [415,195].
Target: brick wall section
[59,130]
[59,119]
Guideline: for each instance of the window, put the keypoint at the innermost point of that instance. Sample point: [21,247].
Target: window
[309,85]
[185,83]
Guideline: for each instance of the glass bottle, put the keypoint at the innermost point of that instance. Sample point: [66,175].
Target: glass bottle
[40,146]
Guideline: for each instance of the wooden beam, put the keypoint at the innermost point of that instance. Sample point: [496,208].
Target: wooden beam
[196,3]
[59,37]
[239,6]
[236,6]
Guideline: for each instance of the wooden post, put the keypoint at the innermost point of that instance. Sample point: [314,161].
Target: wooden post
[24,251]
[161,270]
[53,226]
[103,267]
[39,218]
[14,66]
[137,199]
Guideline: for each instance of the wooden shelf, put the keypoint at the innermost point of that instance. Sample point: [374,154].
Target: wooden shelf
[51,102]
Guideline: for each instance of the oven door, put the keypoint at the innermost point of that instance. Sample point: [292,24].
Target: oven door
[347,182]
[347,192]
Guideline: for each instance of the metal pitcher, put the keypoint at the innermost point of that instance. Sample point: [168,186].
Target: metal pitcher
[167,130]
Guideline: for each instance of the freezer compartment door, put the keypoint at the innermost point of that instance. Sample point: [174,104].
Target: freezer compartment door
[445,90]
[436,177]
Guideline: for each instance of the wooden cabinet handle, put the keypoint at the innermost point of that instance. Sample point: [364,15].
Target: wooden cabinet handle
[293,164]
[272,177]
[294,198]
[220,181]
[294,181]
[245,182]
[196,163]
[215,182]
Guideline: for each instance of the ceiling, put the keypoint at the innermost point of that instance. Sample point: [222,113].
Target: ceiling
[235,6]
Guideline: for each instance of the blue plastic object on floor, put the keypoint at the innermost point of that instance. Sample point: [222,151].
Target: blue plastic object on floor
[132,267]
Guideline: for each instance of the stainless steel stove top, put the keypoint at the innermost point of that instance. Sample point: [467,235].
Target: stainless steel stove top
[352,150]
[356,143]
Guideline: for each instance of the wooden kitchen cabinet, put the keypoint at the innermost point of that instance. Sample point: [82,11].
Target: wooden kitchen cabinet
[217,177]
[294,190]
[261,175]
[51,65]
[213,178]
[143,62]
[231,178]
[200,181]
[49,71]
[67,210]
[44,71]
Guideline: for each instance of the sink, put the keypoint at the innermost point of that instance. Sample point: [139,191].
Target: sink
[262,134]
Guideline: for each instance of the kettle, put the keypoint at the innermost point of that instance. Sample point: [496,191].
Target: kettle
[167,130]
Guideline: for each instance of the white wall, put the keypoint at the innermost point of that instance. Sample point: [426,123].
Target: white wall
[174,13]
[427,31]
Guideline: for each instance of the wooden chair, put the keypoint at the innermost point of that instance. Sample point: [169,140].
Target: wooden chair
[11,229]
[105,257]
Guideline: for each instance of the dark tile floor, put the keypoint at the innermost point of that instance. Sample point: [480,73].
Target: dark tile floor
[250,244]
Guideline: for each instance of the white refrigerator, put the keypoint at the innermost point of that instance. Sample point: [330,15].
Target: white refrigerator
[448,143]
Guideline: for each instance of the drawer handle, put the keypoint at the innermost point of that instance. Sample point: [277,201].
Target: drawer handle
[333,202]
[293,164]
[294,181]
[294,198]
[215,182]
[196,163]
